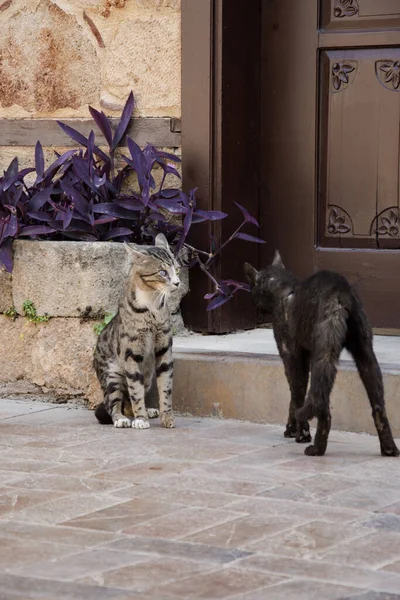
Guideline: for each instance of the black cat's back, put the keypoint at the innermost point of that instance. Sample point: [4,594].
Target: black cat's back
[326,297]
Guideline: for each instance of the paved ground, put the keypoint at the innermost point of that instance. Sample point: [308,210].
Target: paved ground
[211,510]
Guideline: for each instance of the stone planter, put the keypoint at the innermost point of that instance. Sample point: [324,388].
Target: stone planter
[71,282]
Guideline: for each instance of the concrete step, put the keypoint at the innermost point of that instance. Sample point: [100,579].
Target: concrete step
[241,376]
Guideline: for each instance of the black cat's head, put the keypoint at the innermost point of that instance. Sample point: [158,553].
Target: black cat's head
[265,283]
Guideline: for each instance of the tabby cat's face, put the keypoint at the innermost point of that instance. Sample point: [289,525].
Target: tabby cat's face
[159,271]
[155,268]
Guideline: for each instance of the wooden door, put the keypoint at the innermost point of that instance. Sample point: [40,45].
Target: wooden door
[330,152]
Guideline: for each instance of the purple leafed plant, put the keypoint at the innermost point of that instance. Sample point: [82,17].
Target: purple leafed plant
[83,196]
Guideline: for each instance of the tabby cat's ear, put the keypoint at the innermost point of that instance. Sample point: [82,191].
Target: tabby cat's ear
[251,273]
[138,256]
[277,262]
[161,241]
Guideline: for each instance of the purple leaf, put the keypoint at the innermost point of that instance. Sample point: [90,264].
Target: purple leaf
[198,218]
[166,155]
[17,177]
[73,133]
[210,296]
[238,285]
[99,181]
[171,193]
[81,139]
[36,230]
[39,216]
[218,301]
[104,220]
[90,148]
[247,215]
[113,210]
[103,124]
[12,168]
[172,206]
[39,199]
[80,236]
[130,203]
[53,168]
[39,161]
[11,227]
[67,217]
[81,204]
[117,232]
[187,221]
[6,254]
[249,238]
[211,215]
[169,169]
[124,122]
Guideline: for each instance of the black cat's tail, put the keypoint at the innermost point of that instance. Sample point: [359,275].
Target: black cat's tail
[330,335]
[102,415]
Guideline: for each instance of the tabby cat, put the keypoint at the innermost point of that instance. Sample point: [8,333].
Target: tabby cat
[313,320]
[138,342]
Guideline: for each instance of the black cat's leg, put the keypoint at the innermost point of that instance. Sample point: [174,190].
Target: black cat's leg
[360,346]
[323,373]
[164,374]
[291,425]
[297,371]
[135,384]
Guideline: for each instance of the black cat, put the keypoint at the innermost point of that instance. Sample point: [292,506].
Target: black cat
[313,321]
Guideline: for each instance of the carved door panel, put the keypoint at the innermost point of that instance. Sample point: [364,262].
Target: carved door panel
[331,143]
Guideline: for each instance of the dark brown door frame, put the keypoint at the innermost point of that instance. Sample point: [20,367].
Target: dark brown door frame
[220,141]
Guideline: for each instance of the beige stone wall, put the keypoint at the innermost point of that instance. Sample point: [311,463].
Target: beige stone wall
[58,56]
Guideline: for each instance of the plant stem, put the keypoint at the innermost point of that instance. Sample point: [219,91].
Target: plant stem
[204,268]
[196,251]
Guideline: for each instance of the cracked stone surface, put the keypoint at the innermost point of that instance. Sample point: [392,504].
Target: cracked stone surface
[211,510]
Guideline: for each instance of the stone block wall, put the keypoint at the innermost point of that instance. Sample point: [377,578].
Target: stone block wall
[58,56]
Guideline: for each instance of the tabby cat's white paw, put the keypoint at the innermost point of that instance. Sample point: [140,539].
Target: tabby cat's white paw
[153,413]
[122,422]
[140,423]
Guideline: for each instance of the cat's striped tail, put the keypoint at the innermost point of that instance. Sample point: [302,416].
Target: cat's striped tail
[102,415]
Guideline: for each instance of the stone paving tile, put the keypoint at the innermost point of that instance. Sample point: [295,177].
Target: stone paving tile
[195,552]
[72,568]
[40,482]
[174,495]
[301,590]
[222,584]
[241,532]
[16,553]
[375,596]
[182,523]
[68,507]
[38,533]
[140,577]
[13,500]
[319,571]
[373,550]
[305,510]
[213,509]
[392,508]
[123,514]
[318,488]
[383,521]
[363,496]
[21,588]
[309,540]
[215,484]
